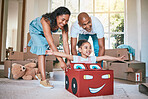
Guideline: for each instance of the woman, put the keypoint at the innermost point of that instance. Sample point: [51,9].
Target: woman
[41,30]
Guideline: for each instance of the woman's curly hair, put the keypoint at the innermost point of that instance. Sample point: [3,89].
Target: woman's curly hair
[52,17]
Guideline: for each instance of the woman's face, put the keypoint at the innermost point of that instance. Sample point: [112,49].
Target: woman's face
[62,20]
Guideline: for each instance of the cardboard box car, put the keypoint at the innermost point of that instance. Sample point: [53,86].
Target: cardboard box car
[8,66]
[85,80]
[121,68]
[118,53]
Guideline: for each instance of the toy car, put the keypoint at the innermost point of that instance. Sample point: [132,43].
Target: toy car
[85,80]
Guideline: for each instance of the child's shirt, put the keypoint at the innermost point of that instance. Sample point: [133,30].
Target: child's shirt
[79,59]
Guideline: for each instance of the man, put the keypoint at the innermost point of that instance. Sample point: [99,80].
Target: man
[87,26]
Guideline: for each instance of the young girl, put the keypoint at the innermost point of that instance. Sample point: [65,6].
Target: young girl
[41,30]
[85,49]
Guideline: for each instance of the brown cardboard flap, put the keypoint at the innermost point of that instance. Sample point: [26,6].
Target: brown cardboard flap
[130,70]
[143,88]
[50,57]
[123,52]
[15,55]
[29,55]
[111,52]
[118,53]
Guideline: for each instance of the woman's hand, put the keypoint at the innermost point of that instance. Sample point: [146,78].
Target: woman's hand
[68,63]
[49,52]
[63,65]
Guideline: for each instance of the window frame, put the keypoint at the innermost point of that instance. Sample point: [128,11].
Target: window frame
[108,33]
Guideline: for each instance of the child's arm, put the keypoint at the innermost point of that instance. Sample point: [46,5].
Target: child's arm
[109,58]
[60,54]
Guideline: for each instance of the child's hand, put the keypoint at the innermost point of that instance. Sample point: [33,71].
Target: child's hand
[49,52]
[121,58]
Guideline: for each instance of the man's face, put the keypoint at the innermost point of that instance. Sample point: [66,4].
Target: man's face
[86,24]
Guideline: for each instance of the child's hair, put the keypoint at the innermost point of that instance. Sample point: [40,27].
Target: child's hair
[81,42]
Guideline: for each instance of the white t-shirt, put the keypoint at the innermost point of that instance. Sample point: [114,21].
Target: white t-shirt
[79,59]
[97,28]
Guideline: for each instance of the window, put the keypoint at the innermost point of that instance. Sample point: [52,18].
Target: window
[110,12]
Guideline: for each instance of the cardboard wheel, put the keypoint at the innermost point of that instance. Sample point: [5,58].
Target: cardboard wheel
[66,82]
[74,86]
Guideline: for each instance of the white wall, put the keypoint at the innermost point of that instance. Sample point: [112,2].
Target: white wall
[12,24]
[0,12]
[34,8]
[144,33]
[132,24]
[137,20]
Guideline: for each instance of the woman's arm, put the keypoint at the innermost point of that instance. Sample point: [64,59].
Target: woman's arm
[59,54]
[109,58]
[48,35]
[65,44]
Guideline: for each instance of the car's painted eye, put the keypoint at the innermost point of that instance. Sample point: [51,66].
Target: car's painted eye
[79,66]
[88,77]
[106,76]
[94,67]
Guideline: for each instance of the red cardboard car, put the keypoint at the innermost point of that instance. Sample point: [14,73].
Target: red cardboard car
[85,80]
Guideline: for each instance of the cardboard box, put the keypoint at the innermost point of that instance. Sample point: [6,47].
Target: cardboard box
[118,53]
[49,63]
[15,55]
[121,69]
[28,49]
[29,55]
[49,66]
[50,57]
[143,88]
[8,66]
[56,38]
[135,75]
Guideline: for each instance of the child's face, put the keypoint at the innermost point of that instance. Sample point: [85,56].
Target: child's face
[85,49]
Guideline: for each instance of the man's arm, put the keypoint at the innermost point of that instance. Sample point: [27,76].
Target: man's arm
[73,46]
[101,43]
[59,54]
